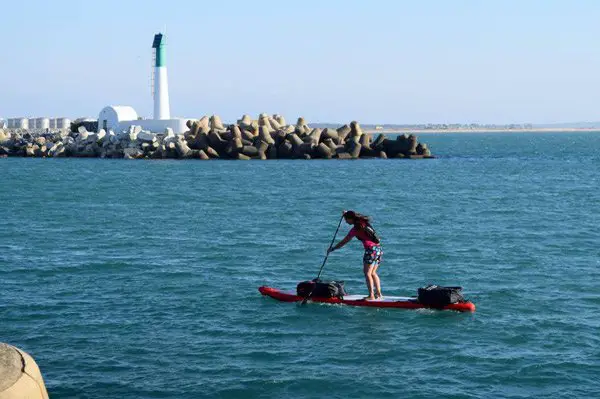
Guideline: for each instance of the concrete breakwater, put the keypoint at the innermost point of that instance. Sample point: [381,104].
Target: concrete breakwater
[268,137]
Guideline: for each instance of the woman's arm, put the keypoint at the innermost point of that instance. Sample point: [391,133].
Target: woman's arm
[341,243]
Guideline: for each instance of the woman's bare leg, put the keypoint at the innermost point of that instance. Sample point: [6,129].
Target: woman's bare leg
[369,280]
[377,282]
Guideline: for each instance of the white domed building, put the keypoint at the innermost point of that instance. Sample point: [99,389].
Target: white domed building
[110,117]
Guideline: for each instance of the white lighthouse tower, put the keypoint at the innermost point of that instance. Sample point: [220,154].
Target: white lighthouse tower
[120,118]
[161,85]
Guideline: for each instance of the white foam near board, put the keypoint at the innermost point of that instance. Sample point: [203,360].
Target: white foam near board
[385,298]
[362,297]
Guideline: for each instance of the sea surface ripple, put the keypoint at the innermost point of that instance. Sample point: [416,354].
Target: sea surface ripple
[138,279]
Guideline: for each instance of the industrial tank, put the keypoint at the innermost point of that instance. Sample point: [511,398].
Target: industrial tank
[31,124]
[21,123]
[42,123]
[63,123]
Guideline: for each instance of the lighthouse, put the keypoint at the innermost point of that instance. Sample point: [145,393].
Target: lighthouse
[161,85]
[120,118]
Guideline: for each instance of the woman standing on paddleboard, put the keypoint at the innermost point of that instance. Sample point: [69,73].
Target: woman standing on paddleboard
[363,230]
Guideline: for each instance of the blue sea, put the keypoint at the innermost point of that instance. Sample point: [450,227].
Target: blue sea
[138,279]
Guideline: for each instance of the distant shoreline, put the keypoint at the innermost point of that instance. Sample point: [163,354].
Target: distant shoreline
[533,130]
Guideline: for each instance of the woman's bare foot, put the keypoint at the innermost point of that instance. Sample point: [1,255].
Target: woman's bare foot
[378,296]
[369,298]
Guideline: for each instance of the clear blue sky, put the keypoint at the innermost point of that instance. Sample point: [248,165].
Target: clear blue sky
[327,60]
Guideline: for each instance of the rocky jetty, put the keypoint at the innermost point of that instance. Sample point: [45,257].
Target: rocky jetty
[268,137]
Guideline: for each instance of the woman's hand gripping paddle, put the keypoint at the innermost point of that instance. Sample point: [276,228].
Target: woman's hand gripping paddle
[324,261]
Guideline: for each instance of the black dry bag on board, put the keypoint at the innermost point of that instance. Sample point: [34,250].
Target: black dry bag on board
[321,289]
[436,296]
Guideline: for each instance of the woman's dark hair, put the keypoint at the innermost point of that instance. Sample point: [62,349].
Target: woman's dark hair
[357,217]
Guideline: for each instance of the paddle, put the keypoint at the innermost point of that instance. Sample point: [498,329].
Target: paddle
[324,261]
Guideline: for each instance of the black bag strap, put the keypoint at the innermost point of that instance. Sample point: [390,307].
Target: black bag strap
[370,231]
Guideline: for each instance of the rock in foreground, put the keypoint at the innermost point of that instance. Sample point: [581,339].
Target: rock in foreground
[20,376]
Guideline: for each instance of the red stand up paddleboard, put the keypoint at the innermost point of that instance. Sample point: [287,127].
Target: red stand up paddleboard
[358,300]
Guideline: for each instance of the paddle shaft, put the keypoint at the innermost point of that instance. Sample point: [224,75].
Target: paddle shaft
[330,245]
[325,260]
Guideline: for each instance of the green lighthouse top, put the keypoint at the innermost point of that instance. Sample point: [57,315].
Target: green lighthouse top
[159,44]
